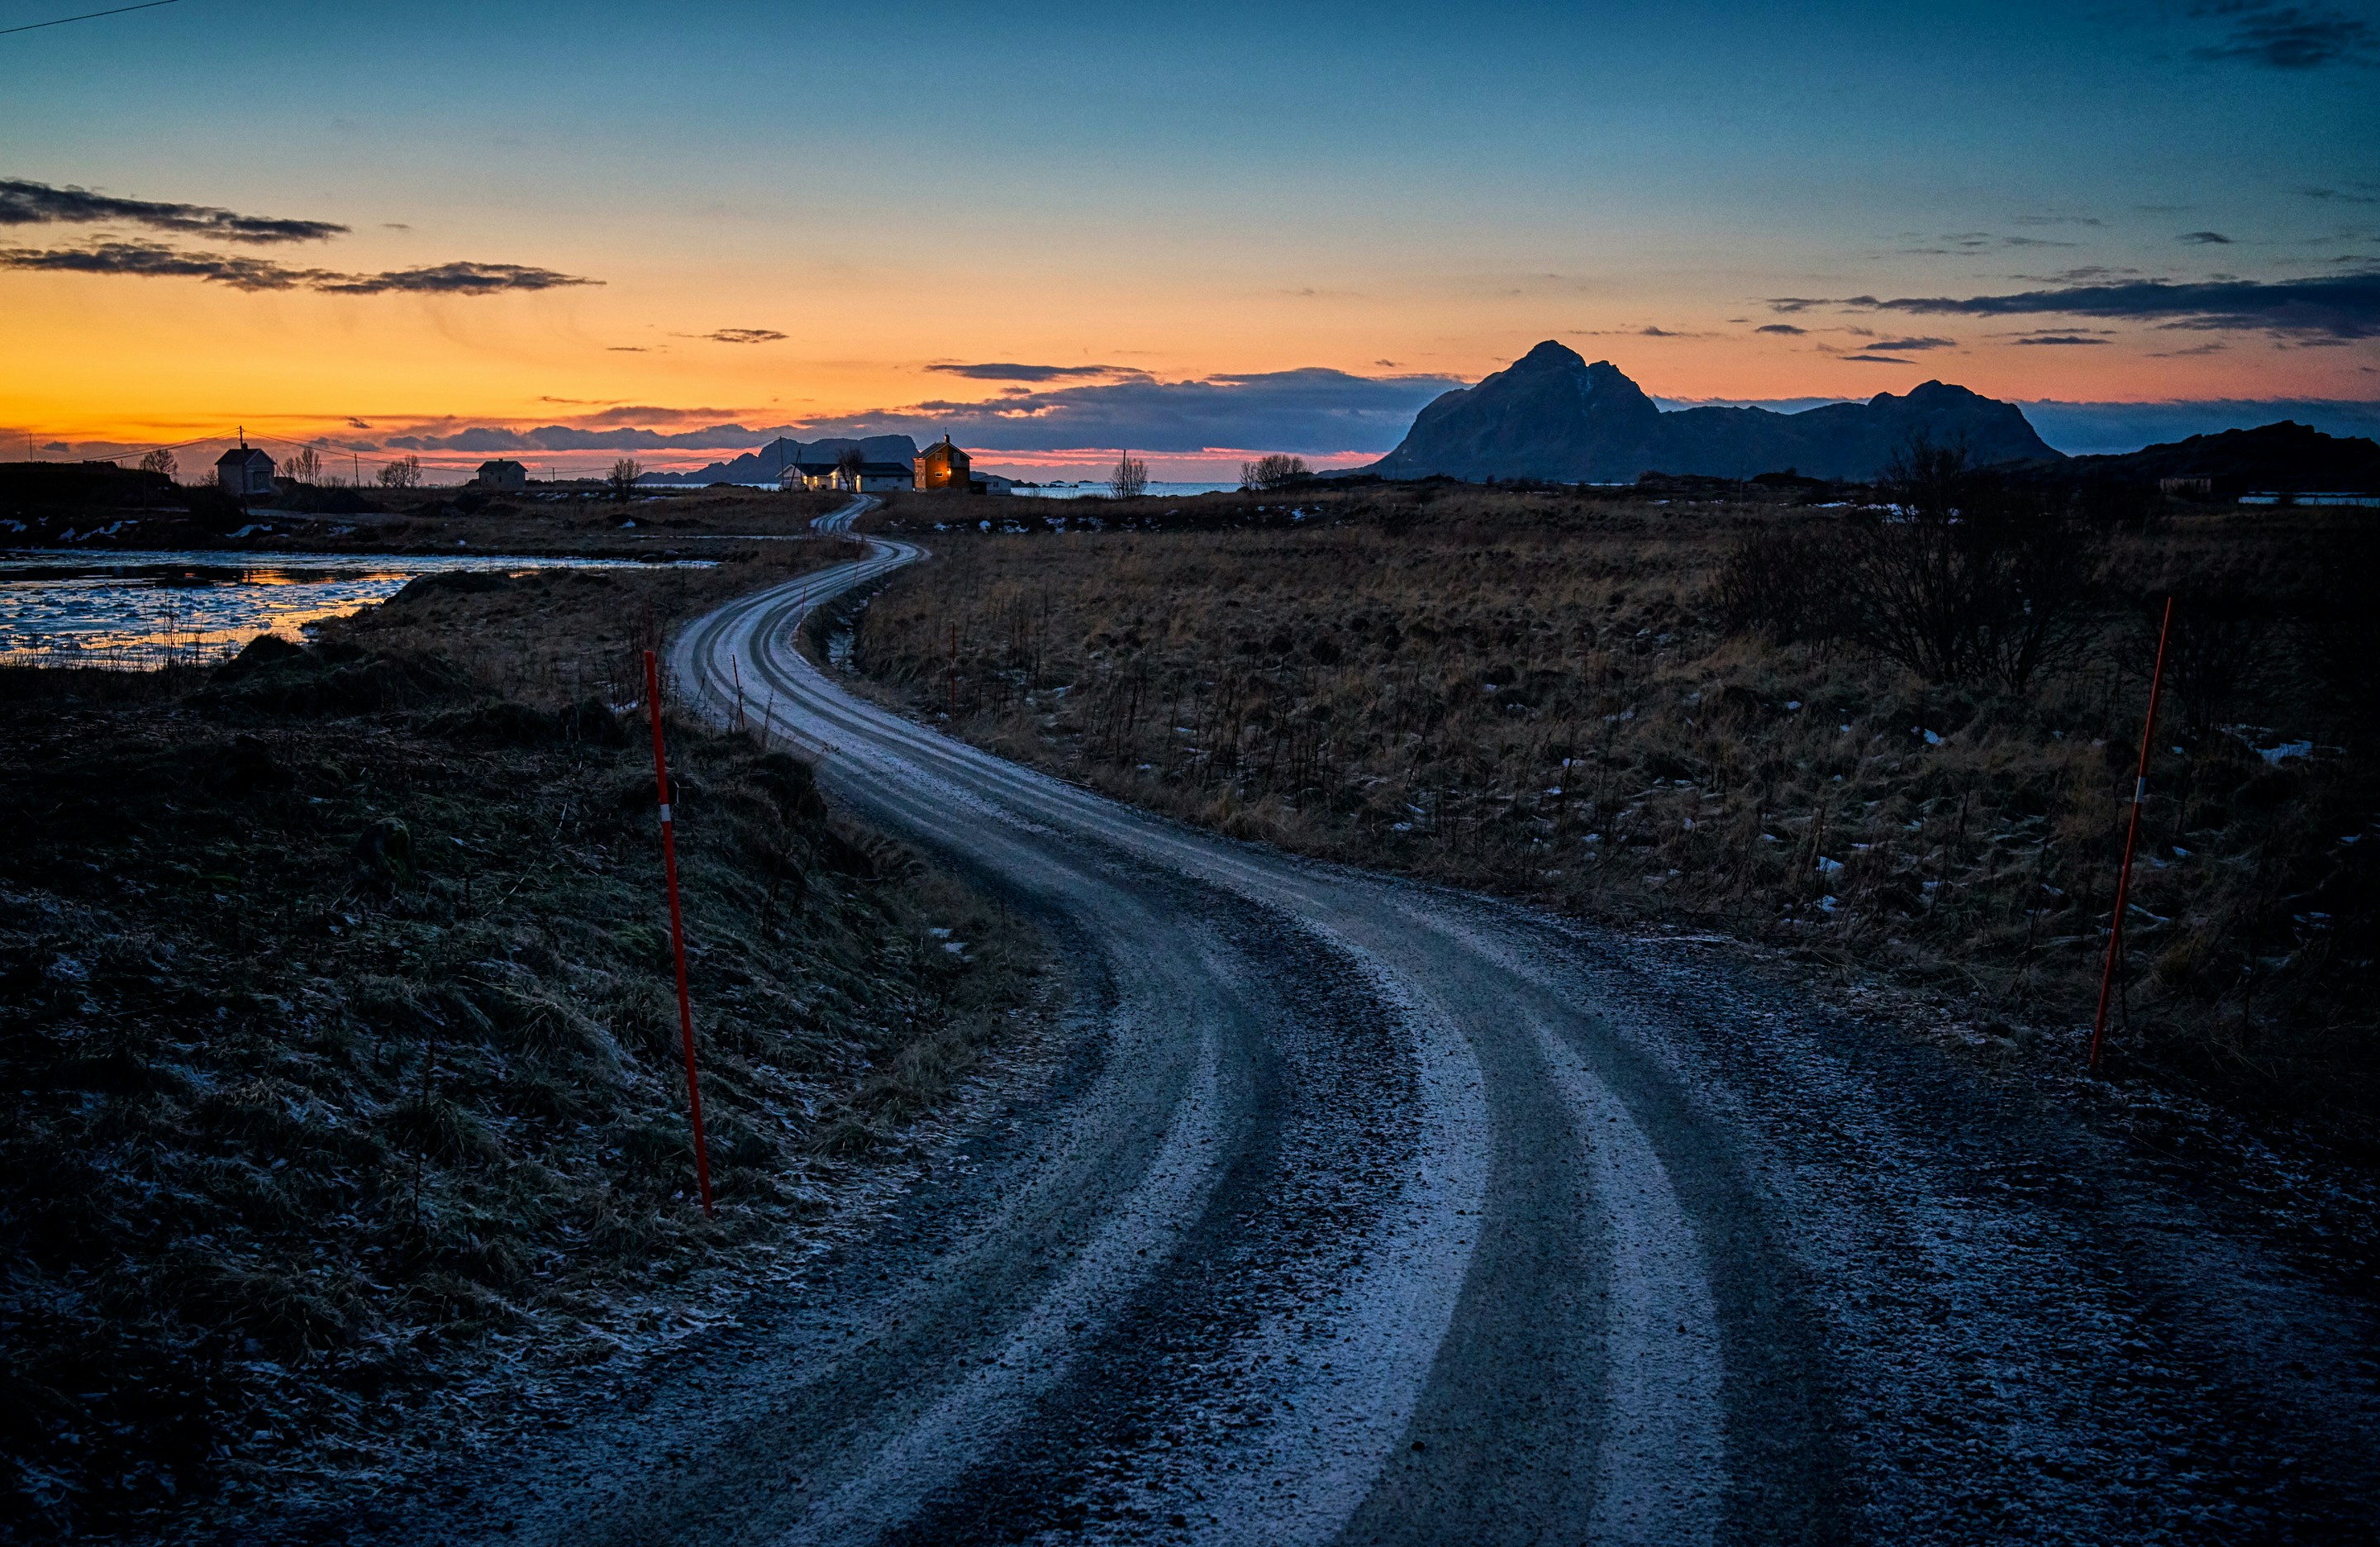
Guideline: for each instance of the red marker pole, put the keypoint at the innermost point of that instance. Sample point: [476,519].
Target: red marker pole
[677,931]
[2131,836]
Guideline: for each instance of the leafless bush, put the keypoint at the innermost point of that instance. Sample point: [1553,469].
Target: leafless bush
[303,466]
[159,461]
[402,474]
[1965,582]
[1130,478]
[623,477]
[1275,471]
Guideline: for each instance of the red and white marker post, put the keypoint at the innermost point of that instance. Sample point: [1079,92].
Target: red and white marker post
[677,931]
[2131,836]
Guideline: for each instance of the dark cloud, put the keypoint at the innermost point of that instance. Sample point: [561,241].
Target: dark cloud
[573,437]
[29,203]
[2206,237]
[745,335]
[2336,305]
[1786,328]
[1310,411]
[149,260]
[1906,345]
[1877,359]
[1791,304]
[1658,332]
[2287,37]
[357,424]
[2337,196]
[2058,338]
[454,279]
[1004,370]
[626,349]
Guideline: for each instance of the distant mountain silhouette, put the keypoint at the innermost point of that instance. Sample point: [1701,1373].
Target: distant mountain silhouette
[765,465]
[1551,416]
[2284,457]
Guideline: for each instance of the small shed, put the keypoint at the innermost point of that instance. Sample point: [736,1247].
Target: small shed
[245,472]
[502,473]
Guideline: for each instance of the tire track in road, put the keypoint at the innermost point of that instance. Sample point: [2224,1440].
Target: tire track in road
[1484,1407]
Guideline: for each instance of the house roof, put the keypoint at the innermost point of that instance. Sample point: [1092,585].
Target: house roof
[944,446]
[240,455]
[885,470]
[498,462]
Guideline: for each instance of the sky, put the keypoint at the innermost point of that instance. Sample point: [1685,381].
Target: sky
[1201,233]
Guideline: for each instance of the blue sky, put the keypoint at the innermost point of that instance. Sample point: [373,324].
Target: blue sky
[1209,194]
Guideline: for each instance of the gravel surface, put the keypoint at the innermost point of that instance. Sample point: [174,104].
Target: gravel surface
[1369,1212]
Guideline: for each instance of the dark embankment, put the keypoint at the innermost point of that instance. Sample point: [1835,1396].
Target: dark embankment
[343,1105]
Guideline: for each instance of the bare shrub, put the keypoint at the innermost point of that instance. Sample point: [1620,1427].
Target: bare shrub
[1965,582]
[402,474]
[303,466]
[160,461]
[1129,479]
[622,479]
[1275,471]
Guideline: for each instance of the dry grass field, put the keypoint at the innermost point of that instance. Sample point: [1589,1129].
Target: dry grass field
[433,520]
[343,1103]
[1604,706]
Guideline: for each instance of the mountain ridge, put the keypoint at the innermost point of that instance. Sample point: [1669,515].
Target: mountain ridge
[1550,415]
[767,464]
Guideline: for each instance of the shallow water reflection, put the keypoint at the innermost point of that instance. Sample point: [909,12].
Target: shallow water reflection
[143,608]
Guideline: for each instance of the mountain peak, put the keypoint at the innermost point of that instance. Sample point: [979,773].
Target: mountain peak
[1550,354]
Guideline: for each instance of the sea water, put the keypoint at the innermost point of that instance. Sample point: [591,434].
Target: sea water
[135,608]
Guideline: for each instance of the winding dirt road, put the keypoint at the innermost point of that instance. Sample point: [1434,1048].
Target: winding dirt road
[1366,1212]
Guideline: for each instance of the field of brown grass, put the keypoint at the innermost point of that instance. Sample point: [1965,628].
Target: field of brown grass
[695,522]
[1545,695]
[341,1101]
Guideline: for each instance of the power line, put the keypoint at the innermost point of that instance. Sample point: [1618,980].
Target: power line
[87,16]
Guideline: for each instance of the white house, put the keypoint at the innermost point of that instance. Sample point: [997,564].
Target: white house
[872,478]
[245,472]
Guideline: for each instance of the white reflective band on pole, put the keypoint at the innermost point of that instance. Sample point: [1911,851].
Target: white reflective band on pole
[665,816]
[2140,794]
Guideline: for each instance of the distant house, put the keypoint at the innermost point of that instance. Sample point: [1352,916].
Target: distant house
[943,465]
[245,472]
[502,473]
[873,478]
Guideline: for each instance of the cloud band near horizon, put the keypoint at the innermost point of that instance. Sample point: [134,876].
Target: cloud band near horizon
[1222,416]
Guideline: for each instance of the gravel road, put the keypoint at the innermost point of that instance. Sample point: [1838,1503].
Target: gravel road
[1361,1211]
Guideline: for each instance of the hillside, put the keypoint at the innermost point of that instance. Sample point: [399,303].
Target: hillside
[1551,416]
[2284,457]
[766,464]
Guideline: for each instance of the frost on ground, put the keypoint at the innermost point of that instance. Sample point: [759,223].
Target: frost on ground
[345,1116]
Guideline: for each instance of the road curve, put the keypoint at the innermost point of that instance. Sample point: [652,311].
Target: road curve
[1365,1211]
